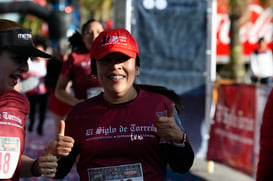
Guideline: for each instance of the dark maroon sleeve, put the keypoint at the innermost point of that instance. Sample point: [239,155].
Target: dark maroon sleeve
[180,159]
[66,163]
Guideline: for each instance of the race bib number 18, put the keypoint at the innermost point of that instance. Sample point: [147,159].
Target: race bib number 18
[9,156]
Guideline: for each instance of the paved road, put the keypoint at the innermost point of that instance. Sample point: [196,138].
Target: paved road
[35,145]
[221,172]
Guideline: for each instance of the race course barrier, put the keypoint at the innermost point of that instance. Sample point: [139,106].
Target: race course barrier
[235,131]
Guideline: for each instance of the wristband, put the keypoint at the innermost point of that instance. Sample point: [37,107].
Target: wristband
[35,169]
[184,140]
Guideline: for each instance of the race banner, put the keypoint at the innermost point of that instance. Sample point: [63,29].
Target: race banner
[232,133]
[256,22]
[235,132]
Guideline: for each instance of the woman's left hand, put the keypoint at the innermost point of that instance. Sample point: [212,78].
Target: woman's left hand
[167,127]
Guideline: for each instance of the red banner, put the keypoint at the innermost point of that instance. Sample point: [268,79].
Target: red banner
[255,23]
[232,133]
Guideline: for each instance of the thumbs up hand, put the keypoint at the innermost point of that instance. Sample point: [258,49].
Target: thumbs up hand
[167,127]
[61,128]
[64,143]
[61,145]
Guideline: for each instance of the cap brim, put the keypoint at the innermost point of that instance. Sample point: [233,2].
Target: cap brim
[29,52]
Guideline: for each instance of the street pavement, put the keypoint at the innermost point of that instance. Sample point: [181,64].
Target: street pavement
[219,173]
[35,145]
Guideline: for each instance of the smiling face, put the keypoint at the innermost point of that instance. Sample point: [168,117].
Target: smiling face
[116,73]
[12,66]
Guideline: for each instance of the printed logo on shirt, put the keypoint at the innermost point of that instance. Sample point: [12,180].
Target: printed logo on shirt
[85,65]
[133,132]
[9,119]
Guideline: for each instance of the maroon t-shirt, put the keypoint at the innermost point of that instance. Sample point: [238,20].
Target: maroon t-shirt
[119,140]
[77,68]
[14,108]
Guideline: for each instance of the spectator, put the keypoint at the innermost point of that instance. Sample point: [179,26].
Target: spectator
[261,63]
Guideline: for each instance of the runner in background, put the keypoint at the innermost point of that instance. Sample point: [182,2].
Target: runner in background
[77,67]
[127,132]
[58,108]
[38,96]
[16,46]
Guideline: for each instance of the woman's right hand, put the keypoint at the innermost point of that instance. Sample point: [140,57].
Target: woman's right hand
[61,145]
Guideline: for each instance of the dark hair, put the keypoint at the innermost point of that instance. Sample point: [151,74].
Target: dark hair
[93,65]
[260,40]
[9,25]
[176,99]
[76,41]
[39,40]
[84,26]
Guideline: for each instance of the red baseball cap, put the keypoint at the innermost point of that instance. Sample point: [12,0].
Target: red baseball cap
[114,40]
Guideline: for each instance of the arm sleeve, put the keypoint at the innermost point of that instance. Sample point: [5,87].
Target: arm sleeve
[67,66]
[180,159]
[66,163]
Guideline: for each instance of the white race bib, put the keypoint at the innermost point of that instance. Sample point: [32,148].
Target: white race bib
[9,156]
[131,172]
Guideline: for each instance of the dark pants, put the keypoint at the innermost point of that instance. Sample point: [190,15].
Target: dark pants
[265,80]
[41,101]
